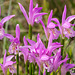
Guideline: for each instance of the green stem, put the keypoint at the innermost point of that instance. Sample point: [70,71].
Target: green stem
[26,68]
[53,73]
[62,48]
[30,32]
[8,73]
[30,68]
[47,73]
[46,43]
[37,70]
[30,37]
[17,61]
[68,73]
[41,73]
[33,68]
[4,41]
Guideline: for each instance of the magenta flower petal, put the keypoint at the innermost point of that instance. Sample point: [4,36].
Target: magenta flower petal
[12,69]
[64,15]
[2,33]
[31,42]
[30,7]
[37,10]
[69,32]
[44,72]
[25,42]
[51,25]
[15,42]
[4,59]
[38,37]
[45,30]
[36,6]
[56,20]
[38,15]
[9,63]
[0,64]
[57,59]
[50,40]
[6,63]
[70,18]
[24,12]
[6,18]
[9,36]
[66,25]
[50,17]
[65,68]
[64,60]
[71,72]
[17,32]
[8,58]
[44,57]
[0,11]
[34,13]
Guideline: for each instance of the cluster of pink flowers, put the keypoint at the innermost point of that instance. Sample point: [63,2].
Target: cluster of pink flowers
[48,58]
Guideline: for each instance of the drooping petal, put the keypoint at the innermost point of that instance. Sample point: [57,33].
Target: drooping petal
[38,15]
[64,15]
[17,32]
[64,60]
[50,17]
[9,63]
[24,12]
[6,18]
[56,20]
[8,58]
[9,36]
[44,28]
[70,18]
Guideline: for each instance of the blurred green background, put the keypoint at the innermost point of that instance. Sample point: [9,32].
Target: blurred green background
[56,5]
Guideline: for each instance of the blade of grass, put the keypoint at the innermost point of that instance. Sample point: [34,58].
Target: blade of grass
[4,41]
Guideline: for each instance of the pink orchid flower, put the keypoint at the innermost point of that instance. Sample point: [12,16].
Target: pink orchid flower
[7,63]
[2,31]
[66,28]
[66,68]
[51,27]
[34,13]
[15,42]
